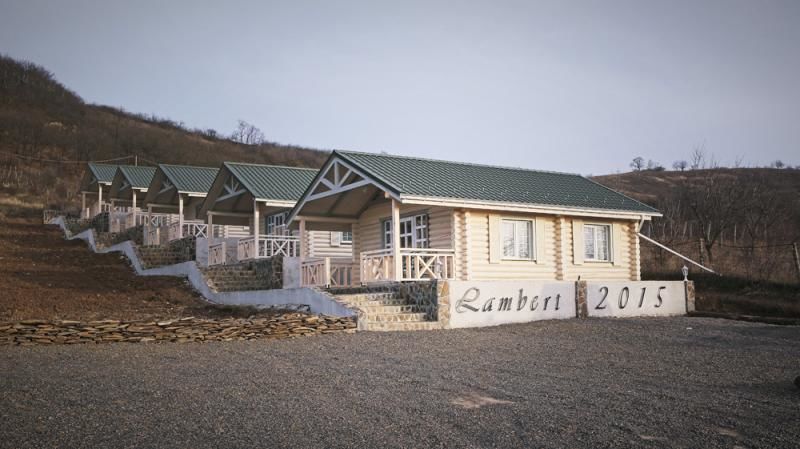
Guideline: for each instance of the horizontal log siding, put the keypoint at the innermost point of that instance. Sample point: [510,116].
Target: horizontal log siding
[481,269]
[369,232]
[619,270]
[319,245]
[550,266]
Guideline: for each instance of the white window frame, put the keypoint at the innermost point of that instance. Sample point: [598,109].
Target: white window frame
[424,218]
[609,242]
[531,238]
[275,221]
[344,241]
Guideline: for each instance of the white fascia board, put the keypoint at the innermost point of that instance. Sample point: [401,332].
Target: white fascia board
[277,203]
[194,194]
[521,207]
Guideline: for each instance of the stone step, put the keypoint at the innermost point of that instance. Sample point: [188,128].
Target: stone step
[401,326]
[382,302]
[362,297]
[396,317]
[383,309]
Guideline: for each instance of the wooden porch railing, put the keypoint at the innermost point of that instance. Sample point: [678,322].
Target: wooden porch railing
[327,272]
[426,263]
[189,228]
[216,254]
[250,248]
[377,266]
[418,264]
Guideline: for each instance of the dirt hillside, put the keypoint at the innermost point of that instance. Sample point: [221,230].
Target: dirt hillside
[43,276]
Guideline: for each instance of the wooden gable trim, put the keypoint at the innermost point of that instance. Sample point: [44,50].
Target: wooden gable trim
[339,185]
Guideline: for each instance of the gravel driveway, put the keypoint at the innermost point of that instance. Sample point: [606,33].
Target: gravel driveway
[665,382]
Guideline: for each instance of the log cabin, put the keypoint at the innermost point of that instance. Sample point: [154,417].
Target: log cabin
[461,221]
[258,198]
[173,200]
[95,186]
[128,189]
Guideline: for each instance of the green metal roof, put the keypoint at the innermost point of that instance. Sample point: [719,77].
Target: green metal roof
[103,172]
[139,177]
[455,180]
[187,178]
[272,182]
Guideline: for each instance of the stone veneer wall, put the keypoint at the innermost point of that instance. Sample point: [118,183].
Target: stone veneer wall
[106,239]
[33,332]
[423,294]
[176,251]
[270,271]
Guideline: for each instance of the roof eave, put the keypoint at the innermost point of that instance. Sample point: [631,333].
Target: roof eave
[525,207]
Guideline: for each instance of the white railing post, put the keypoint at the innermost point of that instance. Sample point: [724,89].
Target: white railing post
[326,280]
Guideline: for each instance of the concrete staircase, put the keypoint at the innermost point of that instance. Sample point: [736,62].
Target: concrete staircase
[386,311]
[234,278]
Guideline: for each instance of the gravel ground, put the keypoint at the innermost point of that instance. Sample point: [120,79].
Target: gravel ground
[674,382]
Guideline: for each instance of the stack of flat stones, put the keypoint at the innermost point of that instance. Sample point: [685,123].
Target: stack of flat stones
[288,325]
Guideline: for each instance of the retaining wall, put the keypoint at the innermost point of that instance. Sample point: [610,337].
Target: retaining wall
[315,300]
[30,332]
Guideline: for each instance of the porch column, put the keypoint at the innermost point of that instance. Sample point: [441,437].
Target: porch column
[180,216]
[398,264]
[303,242]
[353,243]
[134,207]
[149,223]
[99,198]
[255,219]
[256,243]
[210,221]
[84,214]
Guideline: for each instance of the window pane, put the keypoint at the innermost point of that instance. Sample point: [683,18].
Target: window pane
[523,240]
[602,243]
[588,242]
[508,239]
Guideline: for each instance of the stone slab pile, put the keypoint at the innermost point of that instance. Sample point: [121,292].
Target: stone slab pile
[288,325]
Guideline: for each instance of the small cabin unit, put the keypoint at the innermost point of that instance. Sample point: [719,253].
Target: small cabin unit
[95,187]
[127,191]
[173,200]
[252,203]
[413,219]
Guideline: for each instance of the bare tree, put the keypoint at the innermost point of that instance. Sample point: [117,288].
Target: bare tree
[698,158]
[637,163]
[712,202]
[654,165]
[778,164]
[247,134]
[680,165]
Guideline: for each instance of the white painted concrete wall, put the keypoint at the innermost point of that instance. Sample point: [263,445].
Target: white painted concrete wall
[201,250]
[291,272]
[489,303]
[317,302]
[636,298]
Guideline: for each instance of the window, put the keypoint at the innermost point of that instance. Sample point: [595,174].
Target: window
[413,232]
[347,237]
[517,239]
[597,242]
[276,224]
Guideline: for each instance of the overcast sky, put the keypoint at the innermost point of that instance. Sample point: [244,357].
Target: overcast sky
[570,86]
